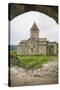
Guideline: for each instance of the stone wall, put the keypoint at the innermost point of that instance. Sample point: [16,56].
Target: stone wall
[22,49]
[32,44]
[55,48]
[33,48]
[42,49]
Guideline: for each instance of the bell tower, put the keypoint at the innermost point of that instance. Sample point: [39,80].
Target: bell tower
[34,32]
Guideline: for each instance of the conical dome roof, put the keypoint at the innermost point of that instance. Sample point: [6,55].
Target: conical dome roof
[34,27]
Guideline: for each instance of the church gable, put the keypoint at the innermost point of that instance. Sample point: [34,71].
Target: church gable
[34,27]
[34,32]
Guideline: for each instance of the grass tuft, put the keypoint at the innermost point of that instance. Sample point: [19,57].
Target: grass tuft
[30,61]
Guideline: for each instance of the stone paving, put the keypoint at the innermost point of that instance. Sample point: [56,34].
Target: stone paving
[48,74]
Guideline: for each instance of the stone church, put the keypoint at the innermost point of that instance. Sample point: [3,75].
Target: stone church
[35,45]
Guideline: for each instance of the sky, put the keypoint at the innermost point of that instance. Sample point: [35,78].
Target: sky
[21,25]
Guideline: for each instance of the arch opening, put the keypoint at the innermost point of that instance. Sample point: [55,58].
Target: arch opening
[21,25]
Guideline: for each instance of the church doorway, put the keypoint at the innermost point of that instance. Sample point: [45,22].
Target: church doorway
[51,50]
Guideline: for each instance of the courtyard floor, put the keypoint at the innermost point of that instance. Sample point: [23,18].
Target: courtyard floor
[48,74]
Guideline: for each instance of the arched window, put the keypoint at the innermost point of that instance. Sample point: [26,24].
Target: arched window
[31,49]
[51,49]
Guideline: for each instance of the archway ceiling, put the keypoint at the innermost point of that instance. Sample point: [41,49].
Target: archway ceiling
[17,9]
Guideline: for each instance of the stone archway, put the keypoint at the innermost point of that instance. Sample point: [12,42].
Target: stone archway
[17,9]
[51,50]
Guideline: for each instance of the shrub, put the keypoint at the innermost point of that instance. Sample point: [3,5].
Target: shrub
[13,54]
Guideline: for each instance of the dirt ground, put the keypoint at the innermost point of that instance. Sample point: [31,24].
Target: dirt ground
[48,74]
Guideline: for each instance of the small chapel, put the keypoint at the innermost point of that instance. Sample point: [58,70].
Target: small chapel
[35,45]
